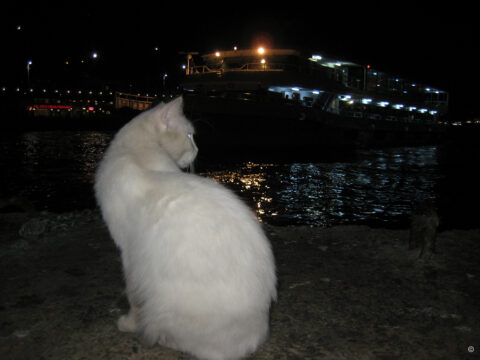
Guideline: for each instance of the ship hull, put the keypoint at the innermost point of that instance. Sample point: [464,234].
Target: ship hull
[233,125]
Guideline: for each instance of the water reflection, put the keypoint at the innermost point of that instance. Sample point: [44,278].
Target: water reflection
[379,188]
[55,171]
[249,181]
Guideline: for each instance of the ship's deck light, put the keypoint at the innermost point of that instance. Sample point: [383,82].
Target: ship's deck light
[345,97]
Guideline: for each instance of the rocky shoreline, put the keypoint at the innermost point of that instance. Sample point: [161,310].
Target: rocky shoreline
[346,292]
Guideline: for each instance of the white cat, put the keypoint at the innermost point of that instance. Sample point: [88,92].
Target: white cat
[200,273]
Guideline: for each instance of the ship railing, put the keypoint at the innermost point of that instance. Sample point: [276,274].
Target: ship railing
[259,67]
[398,117]
[256,66]
[200,69]
[132,101]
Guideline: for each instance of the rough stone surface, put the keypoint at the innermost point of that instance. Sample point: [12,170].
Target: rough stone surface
[346,292]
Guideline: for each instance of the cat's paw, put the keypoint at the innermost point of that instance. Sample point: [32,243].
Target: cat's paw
[127,323]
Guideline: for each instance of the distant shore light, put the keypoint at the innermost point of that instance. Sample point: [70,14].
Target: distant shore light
[261,50]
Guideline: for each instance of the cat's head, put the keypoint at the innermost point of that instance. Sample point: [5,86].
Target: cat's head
[175,132]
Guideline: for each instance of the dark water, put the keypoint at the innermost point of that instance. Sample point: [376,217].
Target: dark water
[55,170]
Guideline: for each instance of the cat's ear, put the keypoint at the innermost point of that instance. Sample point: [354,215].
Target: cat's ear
[168,116]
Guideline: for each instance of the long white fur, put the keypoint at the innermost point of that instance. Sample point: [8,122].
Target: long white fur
[199,271]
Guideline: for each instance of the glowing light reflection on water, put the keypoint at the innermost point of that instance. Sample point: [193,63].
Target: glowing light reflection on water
[380,187]
[55,171]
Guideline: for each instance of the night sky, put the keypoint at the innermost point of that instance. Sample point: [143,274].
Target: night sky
[436,46]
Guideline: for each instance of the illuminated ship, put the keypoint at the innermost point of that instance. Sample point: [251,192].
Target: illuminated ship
[286,98]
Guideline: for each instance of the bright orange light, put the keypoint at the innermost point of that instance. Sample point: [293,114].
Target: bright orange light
[217,54]
[261,50]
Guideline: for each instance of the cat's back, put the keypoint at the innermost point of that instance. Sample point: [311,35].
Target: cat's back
[198,199]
